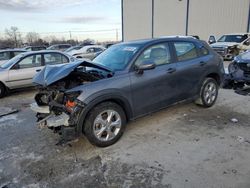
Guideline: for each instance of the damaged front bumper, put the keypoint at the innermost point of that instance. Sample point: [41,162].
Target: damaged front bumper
[238,81]
[65,122]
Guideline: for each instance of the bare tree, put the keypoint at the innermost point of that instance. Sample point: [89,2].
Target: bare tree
[32,37]
[14,35]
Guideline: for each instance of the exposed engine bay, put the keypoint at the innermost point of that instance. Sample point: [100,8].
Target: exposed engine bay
[56,107]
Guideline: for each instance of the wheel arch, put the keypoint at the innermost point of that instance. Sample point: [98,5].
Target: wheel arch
[119,100]
[215,76]
[6,89]
[4,85]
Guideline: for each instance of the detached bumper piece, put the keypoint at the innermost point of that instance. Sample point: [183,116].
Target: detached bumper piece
[54,121]
[239,85]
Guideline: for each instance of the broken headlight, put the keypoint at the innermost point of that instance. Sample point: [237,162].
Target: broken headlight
[71,99]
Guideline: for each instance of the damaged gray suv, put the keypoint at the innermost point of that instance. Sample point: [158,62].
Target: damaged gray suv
[127,81]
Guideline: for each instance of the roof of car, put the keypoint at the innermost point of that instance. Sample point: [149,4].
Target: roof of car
[238,34]
[93,46]
[42,51]
[161,39]
[60,44]
[13,50]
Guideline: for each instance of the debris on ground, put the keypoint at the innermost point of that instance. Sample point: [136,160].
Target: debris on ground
[193,110]
[242,139]
[234,120]
[5,111]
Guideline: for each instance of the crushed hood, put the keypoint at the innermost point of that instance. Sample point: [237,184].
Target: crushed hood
[52,73]
[224,44]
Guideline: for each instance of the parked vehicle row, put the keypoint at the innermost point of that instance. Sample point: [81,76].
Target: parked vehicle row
[98,98]
[230,45]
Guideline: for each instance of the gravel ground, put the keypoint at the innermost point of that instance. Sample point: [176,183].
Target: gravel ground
[182,146]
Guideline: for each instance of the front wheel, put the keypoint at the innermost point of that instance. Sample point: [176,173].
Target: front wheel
[208,93]
[105,124]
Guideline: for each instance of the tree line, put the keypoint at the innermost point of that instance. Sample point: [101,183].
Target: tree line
[14,39]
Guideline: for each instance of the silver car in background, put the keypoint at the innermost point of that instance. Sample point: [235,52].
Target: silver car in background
[87,52]
[19,71]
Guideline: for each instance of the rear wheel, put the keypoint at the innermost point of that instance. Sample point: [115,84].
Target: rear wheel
[208,93]
[2,90]
[105,124]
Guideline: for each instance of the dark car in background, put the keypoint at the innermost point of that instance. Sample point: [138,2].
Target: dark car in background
[60,47]
[127,81]
[7,54]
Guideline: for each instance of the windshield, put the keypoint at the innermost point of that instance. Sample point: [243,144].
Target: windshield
[117,57]
[73,48]
[233,38]
[11,61]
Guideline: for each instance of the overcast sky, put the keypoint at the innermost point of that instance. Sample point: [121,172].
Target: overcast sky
[44,16]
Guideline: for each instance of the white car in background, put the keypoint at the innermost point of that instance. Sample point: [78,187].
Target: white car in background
[88,52]
[18,72]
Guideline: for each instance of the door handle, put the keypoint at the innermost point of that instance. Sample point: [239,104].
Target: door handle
[171,70]
[202,63]
[38,70]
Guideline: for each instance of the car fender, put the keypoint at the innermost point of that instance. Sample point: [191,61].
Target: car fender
[97,98]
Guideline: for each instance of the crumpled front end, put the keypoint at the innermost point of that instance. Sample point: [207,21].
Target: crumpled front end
[57,107]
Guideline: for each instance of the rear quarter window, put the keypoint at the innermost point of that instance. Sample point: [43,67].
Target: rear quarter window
[185,50]
[204,51]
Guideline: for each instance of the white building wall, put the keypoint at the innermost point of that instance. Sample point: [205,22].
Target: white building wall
[217,17]
[137,19]
[206,17]
[169,13]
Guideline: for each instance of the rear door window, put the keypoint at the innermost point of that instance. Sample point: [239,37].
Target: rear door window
[185,51]
[54,58]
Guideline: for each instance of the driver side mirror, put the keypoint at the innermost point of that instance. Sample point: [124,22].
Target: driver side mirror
[211,39]
[16,66]
[147,65]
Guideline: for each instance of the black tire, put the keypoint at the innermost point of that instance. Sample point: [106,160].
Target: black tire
[93,114]
[2,90]
[203,100]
